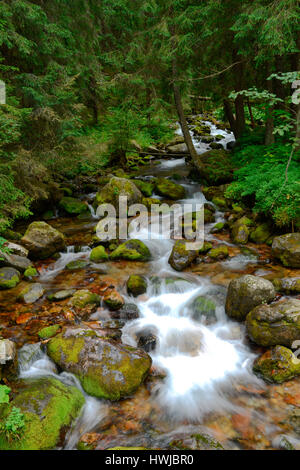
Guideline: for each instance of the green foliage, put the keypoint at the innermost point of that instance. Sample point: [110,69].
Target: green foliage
[13,424]
[4,394]
[261,177]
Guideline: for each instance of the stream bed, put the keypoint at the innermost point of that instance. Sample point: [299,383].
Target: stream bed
[201,382]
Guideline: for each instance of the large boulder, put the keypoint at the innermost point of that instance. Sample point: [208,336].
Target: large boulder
[145,187]
[42,240]
[279,323]
[8,360]
[288,285]
[131,250]
[277,365]
[245,293]
[9,278]
[178,148]
[99,255]
[240,230]
[169,190]
[261,233]
[214,167]
[180,257]
[106,369]
[15,249]
[49,408]
[73,206]
[119,187]
[287,249]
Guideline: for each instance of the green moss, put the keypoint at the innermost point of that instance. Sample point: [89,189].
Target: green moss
[49,331]
[99,255]
[49,408]
[132,250]
[30,272]
[169,189]
[220,202]
[260,234]
[219,252]
[145,188]
[77,264]
[9,283]
[136,285]
[206,247]
[84,297]
[277,365]
[73,206]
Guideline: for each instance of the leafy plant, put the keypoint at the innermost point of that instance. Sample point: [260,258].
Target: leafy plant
[12,426]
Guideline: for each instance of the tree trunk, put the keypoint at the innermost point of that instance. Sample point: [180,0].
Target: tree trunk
[182,118]
[250,113]
[240,122]
[269,136]
[229,114]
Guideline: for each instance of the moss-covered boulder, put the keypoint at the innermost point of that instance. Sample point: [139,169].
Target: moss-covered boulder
[287,285]
[49,331]
[215,167]
[204,309]
[240,234]
[30,273]
[106,369]
[136,285]
[9,278]
[42,240]
[150,201]
[181,257]
[73,206]
[119,187]
[49,408]
[207,139]
[287,249]
[277,365]
[145,187]
[205,248]
[31,293]
[279,323]
[219,227]
[131,250]
[245,293]
[82,298]
[261,233]
[218,253]
[113,300]
[77,264]
[169,190]
[99,255]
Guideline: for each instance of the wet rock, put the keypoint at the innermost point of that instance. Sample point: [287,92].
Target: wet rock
[84,298]
[261,234]
[209,216]
[61,295]
[31,293]
[99,255]
[49,331]
[145,187]
[136,285]
[15,261]
[49,408]
[8,360]
[207,139]
[73,206]
[119,187]
[215,167]
[150,201]
[178,139]
[77,264]
[132,250]
[216,146]
[276,324]
[240,230]
[230,145]
[220,202]
[288,285]
[105,369]
[127,312]
[205,248]
[169,189]
[277,365]
[245,293]
[219,252]
[42,240]
[147,340]
[9,278]
[287,249]
[181,257]
[113,300]
[30,273]
[15,249]
[178,148]
[204,309]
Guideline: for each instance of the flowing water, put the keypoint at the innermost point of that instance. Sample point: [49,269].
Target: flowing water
[207,382]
